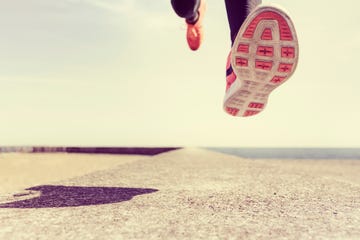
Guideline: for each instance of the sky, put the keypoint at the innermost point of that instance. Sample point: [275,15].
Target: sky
[119,73]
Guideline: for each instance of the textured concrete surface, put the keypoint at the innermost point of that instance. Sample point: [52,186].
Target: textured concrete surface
[22,170]
[193,194]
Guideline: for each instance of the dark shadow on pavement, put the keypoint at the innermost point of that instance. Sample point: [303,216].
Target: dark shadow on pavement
[75,196]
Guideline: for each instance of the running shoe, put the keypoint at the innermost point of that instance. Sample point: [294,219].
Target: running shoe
[264,55]
[195,32]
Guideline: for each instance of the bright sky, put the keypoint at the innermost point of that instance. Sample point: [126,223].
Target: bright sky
[119,73]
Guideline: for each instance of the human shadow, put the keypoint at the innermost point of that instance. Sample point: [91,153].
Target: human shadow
[51,196]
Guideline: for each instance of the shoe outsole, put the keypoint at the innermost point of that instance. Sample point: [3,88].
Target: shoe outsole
[264,55]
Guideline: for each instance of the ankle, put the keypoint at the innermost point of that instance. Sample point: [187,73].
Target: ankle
[193,20]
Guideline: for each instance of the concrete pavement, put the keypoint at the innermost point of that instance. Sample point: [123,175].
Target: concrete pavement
[192,194]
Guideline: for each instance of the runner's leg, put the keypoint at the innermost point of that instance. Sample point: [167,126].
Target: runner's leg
[187,9]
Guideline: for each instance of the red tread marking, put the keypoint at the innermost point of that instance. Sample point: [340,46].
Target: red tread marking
[242,62]
[249,32]
[267,34]
[232,111]
[285,67]
[265,51]
[288,52]
[243,48]
[277,79]
[256,105]
[250,113]
[285,32]
[263,65]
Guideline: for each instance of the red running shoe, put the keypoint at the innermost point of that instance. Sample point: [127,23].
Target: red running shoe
[195,33]
[264,55]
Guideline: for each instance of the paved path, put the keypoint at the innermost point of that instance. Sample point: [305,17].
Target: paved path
[19,170]
[193,194]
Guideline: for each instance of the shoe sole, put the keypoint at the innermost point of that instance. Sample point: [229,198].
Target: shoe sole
[264,55]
